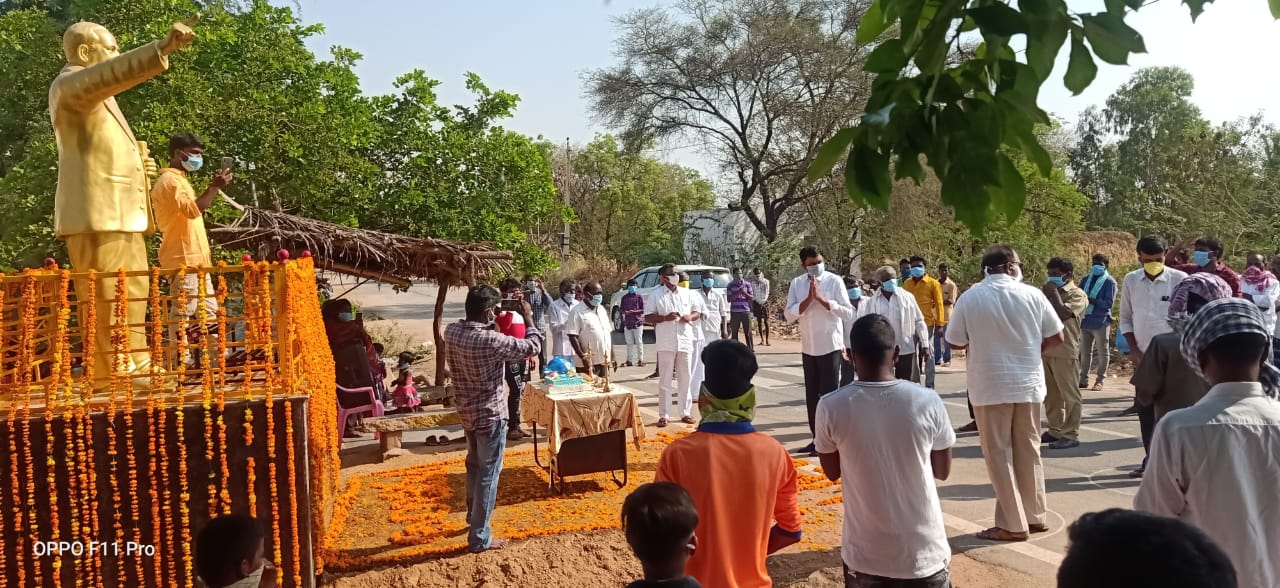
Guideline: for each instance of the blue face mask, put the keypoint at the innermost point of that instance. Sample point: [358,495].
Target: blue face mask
[855,293]
[1201,258]
[889,286]
[631,289]
[707,283]
[917,272]
[193,163]
[1098,270]
[569,298]
[596,299]
[346,316]
[1057,281]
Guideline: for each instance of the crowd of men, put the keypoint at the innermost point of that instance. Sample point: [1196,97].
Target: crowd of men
[1200,338]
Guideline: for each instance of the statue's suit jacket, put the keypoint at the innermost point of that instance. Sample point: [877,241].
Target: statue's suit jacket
[102,187]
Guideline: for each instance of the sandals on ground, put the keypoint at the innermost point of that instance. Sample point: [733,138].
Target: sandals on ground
[998,534]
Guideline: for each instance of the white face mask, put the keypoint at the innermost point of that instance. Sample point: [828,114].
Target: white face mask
[252,580]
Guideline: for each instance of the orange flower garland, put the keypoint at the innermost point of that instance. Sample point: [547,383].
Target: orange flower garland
[272,382]
[252,282]
[181,530]
[154,442]
[293,493]
[14,484]
[90,304]
[52,402]
[206,385]
[224,493]
[28,327]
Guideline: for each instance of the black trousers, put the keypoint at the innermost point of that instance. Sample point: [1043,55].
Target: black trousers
[1147,425]
[821,377]
[847,374]
[854,579]
[516,376]
[740,320]
[907,368]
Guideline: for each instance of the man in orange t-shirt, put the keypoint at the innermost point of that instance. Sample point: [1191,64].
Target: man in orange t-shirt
[744,513]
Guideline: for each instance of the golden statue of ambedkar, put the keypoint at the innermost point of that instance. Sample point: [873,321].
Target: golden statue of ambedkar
[102,207]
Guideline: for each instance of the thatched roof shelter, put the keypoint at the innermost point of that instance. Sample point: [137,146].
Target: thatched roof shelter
[1119,247]
[372,255]
[393,259]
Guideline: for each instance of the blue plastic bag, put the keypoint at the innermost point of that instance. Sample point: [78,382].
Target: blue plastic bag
[1122,344]
[559,365]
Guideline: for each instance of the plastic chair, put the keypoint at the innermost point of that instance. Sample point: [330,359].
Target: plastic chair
[374,406]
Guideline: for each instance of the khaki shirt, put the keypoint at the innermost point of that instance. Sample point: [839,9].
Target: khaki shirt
[1076,301]
[180,220]
[950,292]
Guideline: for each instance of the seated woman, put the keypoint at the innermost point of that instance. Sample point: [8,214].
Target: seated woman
[354,357]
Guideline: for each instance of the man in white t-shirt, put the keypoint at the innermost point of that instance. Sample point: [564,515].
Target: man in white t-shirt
[558,319]
[1009,325]
[714,326]
[893,530]
[674,312]
[591,332]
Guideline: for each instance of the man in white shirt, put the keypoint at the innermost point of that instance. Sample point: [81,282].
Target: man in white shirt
[900,307]
[1213,464]
[674,313]
[818,300]
[1144,307]
[1006,325]
[558,319]
[591,332]
[893,527]
[759,306]
[713,325]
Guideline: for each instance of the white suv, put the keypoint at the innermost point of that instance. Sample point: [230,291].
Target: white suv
[647,279]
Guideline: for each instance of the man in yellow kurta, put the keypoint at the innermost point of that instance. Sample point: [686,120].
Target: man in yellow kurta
[101,207]
[928,294]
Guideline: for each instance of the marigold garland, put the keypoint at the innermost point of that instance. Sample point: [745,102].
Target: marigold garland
[52,402]
[296,562]
[206,385]
[15,494]
[154,442]
[181,529]
[121,349]
[224,470]
[264,327]
[89,341]
[28,327]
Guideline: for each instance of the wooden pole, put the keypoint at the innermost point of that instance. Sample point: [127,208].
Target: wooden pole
[442,292]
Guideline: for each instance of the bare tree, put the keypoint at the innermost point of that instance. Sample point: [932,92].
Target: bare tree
[760,83]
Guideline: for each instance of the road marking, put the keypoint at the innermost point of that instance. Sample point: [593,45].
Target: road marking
[1036,552]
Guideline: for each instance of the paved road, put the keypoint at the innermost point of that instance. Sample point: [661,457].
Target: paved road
[1090,477]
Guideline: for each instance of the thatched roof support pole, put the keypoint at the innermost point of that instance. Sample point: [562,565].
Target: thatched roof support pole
[442,292]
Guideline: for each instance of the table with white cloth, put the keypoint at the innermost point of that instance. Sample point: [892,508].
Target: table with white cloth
[586,430]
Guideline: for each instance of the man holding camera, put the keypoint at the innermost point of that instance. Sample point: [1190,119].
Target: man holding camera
[180,218]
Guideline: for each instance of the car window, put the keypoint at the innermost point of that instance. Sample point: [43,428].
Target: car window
[721,277]
[648,279]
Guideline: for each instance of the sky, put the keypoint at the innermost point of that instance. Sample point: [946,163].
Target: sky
[539,50]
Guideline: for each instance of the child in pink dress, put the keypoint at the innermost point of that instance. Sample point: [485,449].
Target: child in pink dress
[404,395]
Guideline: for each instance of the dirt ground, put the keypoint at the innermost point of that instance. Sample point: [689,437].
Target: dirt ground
[603,559]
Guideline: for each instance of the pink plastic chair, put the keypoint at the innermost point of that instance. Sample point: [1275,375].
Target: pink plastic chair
[374,406]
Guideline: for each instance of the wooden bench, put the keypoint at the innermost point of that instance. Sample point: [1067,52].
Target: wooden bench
[391,428]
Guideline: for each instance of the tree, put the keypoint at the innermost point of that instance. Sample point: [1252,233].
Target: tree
[760,83]
[961,115]
[630,207]
[305,137]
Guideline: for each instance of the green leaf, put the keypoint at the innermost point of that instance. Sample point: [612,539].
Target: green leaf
[1197,7]
[1024,104]
[1275,9]
[1026,139]
[866,176]
[1112,40]
[999,19]
[969,198]
[829,153]
[873,23]
[908,166]
[1116,7]
[1080,69]
[1010,195]
[890,56]
[1045,41]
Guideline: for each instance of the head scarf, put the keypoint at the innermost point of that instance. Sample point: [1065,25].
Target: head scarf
[727,394]
[1256,276]
[1224,317]
[740,409]
[1202,284]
